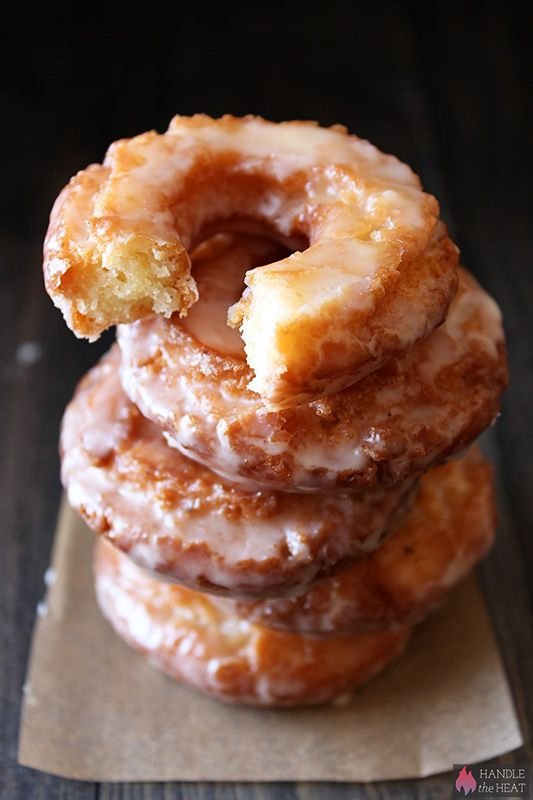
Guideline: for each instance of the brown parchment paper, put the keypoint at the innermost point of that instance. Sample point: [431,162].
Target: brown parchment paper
[95,710]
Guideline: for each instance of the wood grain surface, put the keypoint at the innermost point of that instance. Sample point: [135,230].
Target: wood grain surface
[446,92]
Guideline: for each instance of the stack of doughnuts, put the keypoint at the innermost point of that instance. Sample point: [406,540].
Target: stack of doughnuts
[277,452]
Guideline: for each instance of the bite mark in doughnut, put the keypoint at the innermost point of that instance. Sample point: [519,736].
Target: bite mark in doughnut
[219,266]
[187,636]
[448,529]
[412,413]
[117,249]
[177,518]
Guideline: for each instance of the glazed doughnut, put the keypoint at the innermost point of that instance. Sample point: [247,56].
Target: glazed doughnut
[187,636]
[430,549]
[117,248]
[412,413]
[177,518]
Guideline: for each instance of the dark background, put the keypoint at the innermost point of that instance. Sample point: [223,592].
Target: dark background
[444,89]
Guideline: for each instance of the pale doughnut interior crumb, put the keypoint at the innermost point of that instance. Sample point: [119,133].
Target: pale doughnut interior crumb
[132,282]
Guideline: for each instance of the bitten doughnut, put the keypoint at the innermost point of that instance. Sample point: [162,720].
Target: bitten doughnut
[175,517]
[429,550]
[191,639]
[412,413]
[117,248]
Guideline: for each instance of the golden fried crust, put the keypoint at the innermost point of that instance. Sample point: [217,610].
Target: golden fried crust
[412,413]
[175,517]
[433,547]
[184,634]
[367,287]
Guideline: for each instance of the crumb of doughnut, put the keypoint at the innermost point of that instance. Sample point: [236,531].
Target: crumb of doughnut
[108,275]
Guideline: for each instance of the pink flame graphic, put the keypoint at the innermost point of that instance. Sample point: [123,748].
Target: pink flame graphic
[466,781]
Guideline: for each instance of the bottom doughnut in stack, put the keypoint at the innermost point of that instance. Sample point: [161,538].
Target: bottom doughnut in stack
[339,634]
[187,635]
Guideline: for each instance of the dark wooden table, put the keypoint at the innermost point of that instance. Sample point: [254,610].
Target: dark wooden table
[445,92]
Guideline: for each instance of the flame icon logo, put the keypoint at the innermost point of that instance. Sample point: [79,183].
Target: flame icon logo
[465,781]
